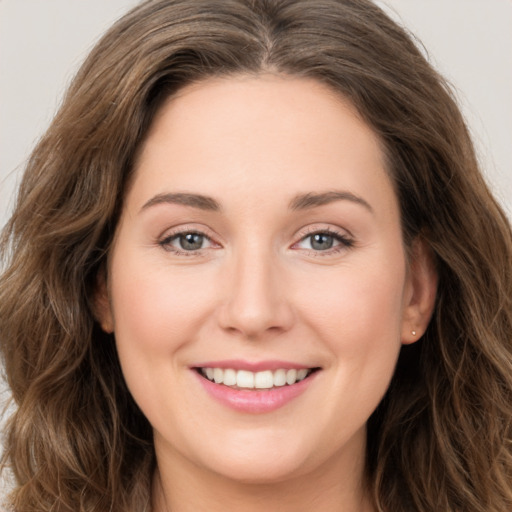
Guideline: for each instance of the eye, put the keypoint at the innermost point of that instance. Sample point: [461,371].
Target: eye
[324,241]
[321,241]
[186,241]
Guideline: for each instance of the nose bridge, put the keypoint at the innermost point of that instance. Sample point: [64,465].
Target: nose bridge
[256,300]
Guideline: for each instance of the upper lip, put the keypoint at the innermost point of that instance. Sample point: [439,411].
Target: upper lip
[252,366]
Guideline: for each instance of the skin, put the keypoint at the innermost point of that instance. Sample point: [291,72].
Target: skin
[258,290]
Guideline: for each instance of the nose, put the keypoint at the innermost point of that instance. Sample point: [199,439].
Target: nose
[255,299]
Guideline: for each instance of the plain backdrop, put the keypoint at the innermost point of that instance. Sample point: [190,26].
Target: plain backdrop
[42,43]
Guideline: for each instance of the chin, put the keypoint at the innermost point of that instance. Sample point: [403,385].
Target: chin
[259,470]
[264,457]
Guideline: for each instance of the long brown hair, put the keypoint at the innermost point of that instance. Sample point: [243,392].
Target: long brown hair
[441,440]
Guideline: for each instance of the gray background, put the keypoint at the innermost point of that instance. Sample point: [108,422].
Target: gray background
[42,42]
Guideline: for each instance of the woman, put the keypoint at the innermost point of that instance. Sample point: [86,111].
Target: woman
[253,264]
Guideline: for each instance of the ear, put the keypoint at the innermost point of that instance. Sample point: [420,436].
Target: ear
[419,292]
[101,304]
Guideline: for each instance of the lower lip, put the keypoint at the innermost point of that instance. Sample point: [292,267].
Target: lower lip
[255,401]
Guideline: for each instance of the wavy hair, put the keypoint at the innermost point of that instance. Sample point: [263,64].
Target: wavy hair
[441,439]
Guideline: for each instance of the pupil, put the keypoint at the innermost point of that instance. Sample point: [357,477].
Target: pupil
[191,241]
[321,241]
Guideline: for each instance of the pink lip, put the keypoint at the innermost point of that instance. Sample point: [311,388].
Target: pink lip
[255,401]
[252,366]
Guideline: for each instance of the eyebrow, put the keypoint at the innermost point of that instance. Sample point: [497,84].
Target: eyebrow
[312,200]
[299,202]
[185,199]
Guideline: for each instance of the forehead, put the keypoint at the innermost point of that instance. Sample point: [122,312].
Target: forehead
[240,133]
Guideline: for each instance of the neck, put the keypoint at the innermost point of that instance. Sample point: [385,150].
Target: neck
[184,487]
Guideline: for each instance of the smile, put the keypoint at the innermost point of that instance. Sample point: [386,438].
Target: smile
[244,379]
[261,391]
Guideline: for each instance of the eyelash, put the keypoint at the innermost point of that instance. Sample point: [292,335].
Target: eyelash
[344,242]
[165,243]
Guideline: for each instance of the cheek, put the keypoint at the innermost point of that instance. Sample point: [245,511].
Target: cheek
[355,305]
[157,314]
[358,319]
[156,310]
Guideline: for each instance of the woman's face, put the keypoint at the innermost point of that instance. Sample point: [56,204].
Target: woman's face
[260,241]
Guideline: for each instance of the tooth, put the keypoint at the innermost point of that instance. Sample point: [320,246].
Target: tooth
[260,380]
[229,377]
[245,379]
[218,375]
[301,374]
[263,380]
[291,376]
[279,377]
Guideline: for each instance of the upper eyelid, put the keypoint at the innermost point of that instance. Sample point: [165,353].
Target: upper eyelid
[174,234]
[315,228]
[183,229]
